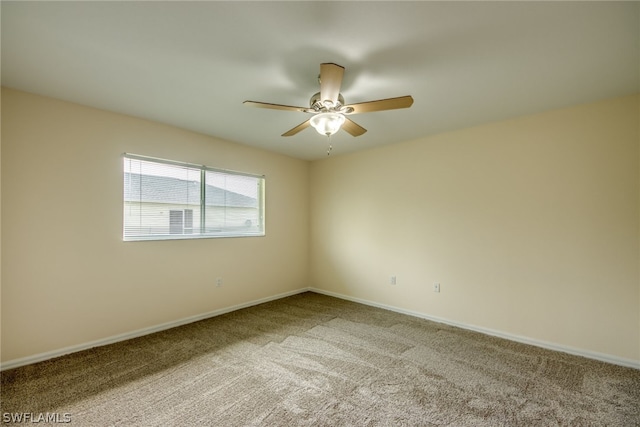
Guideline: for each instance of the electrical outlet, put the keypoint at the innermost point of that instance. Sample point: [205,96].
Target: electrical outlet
[392,280]
[218,282]
[436,287]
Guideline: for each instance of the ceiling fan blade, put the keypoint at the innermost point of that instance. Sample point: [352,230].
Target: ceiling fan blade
[352,127]
[275,106]
[300,127]
[330,82]
[379,105]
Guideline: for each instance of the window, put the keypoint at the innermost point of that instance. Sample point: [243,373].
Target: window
[171,200]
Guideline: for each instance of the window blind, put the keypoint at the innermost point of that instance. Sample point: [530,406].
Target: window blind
[165,199]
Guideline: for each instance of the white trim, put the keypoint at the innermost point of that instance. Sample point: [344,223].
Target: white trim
[629,363]
[15,363]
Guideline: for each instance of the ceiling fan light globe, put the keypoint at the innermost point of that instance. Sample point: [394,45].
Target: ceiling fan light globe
[327,123]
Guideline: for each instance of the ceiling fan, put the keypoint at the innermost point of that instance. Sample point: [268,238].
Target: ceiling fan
[328,106]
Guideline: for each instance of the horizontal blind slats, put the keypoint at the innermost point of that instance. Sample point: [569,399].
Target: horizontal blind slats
[164,200]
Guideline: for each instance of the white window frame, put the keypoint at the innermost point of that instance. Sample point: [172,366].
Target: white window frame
[198,231]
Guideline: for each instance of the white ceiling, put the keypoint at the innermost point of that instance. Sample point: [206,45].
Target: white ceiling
[192,64]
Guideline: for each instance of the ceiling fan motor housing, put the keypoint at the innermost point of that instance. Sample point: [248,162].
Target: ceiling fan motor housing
[316,103]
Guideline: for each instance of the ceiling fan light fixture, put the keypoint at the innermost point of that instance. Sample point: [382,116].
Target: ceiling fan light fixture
[327,123]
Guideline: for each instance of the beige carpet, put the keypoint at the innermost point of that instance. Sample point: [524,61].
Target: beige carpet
[320,361]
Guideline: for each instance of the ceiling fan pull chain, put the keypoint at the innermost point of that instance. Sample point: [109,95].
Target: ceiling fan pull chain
[330,146]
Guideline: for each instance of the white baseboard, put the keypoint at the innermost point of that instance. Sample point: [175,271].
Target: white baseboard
[146,331]
[630,363]
[15,363]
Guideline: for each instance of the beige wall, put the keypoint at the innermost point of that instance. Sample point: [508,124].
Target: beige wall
[530,225]
[67,276]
